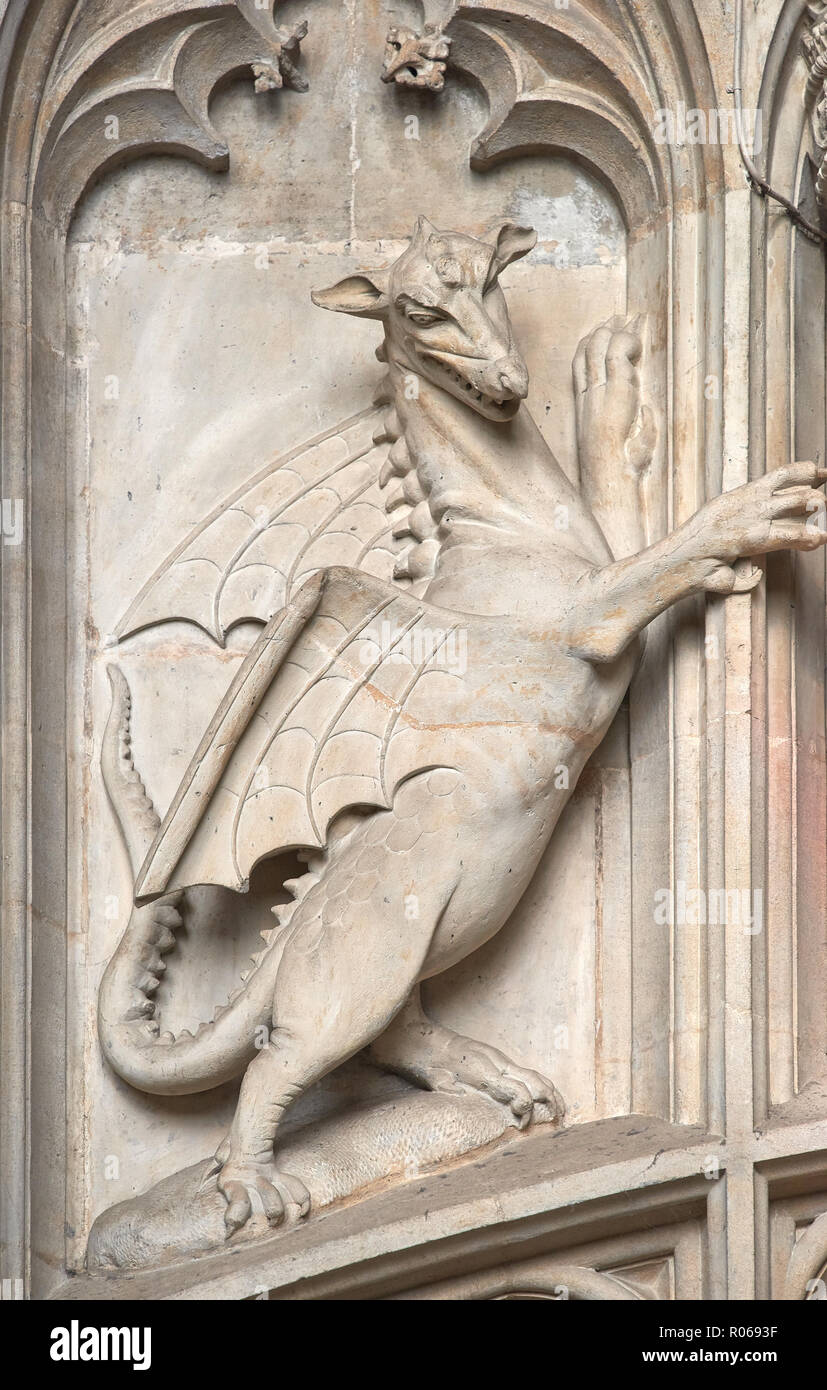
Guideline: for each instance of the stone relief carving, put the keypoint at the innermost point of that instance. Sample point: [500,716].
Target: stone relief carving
[815,51]
[806,1276]
[554,1280]
[420,793]
[561,1283]
[416,60]
[573,80]
[280,69]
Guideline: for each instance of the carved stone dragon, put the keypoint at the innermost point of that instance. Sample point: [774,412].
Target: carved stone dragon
[421,793]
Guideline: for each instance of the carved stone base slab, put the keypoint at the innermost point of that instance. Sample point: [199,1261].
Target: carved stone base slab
[336,1158]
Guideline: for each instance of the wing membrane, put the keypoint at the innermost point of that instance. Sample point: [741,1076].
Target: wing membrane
[306,730]
[319,506]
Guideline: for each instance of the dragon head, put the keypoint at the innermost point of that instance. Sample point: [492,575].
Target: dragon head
[445,315]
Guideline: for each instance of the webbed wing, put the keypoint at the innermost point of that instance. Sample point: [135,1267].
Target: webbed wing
[322,504]
[313,723]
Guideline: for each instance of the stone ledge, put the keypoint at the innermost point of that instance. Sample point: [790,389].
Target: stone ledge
[342,1156]
[540,1184]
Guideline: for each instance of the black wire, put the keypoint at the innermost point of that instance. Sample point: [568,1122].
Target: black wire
[758,183]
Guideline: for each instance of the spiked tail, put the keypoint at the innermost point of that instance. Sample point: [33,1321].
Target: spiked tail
[129,1024]
[137,817]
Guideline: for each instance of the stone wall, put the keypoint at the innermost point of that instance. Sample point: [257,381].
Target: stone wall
[184,177]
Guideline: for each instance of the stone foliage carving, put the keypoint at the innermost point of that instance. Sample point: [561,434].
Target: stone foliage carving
[416,60]
[280,70]
[815,51]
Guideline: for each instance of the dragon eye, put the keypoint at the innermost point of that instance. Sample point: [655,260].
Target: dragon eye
[423,318]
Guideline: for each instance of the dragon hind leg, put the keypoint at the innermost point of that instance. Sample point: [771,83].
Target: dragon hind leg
[355,948]
[439,1059]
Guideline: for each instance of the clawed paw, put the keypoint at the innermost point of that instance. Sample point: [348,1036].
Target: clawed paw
[282,1196]
[784,510]
[613,421]
[526,1094]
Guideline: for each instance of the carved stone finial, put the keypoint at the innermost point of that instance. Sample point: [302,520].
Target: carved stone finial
[416,60]
[814,44]
[279,68]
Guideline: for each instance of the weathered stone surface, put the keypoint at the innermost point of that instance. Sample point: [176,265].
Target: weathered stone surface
[532,876]
[401,1139]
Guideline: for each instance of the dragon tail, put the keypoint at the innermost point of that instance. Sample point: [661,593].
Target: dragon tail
[129,1023]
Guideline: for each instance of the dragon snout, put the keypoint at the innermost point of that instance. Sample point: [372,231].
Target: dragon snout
[493,388]
[511,377]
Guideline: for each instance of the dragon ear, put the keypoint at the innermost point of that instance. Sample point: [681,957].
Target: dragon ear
[423,230]
[358,294]
[512,244]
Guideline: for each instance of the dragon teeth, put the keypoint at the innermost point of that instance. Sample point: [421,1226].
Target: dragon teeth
[300,887]
[394,499]
[145,1009]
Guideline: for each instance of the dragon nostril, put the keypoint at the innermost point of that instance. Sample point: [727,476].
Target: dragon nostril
[513,380]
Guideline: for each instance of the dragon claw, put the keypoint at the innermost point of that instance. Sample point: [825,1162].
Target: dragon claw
[438,1059]
[524,1093]
[282,1196]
